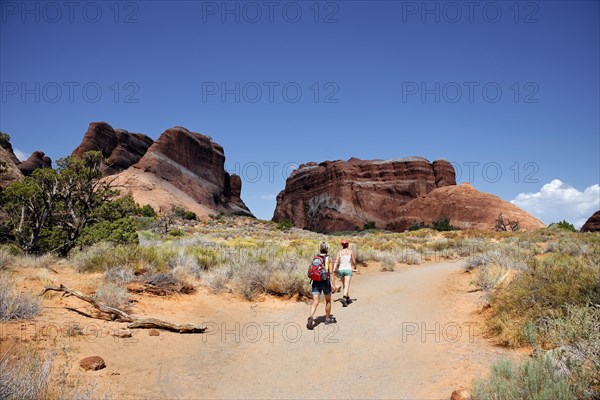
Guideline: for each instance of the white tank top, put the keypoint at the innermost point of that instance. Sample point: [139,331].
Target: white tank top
[345,262]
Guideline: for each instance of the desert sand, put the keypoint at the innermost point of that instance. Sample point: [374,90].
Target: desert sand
[415,333]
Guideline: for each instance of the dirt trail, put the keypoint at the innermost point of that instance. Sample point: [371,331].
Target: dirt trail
[412,334]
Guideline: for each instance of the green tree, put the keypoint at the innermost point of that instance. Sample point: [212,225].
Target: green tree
[49,210]
[564,225]
[29,204]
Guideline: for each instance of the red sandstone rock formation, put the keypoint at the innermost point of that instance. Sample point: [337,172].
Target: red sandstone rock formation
[592,224]
[36,160]
[121,148]
[343,195]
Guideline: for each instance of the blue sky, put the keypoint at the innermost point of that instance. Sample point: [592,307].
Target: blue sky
[507,91]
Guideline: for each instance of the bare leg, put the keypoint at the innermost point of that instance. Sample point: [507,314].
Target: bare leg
[346,281]
[327,305]
[314,305]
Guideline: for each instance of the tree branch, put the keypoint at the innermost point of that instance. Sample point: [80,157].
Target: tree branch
[121,316]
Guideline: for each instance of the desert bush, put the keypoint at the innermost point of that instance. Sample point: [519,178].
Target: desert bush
[388,262]
[284,225]
[288,278]
[577,356]
[488,277]
[216,279]
[564,225]
[542,292]
[442,224]
[119,275]
[6,258]
[370,225]
[164,283]
[418,225]
[408,256]
[113,295]
[206,257]
[534,379]
[477,260]
[176,232]
[14,305]
[25,375]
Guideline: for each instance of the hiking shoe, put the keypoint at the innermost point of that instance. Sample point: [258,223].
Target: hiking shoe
[347,300]
[330,320]
[344,302]
[310,323]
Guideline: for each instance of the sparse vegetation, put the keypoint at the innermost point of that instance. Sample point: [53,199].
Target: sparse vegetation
[534,379]
[14,305]
[113,295]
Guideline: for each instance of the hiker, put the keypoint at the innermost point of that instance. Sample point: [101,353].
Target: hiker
[345,263]
[322,284]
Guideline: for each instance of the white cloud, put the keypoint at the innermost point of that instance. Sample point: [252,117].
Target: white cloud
[268,196]
[557,201]
[20,155]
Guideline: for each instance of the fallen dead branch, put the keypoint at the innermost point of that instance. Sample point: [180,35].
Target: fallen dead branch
[121,316]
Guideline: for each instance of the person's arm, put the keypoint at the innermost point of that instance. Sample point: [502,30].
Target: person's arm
[354,268]
[336,264]
[331,274]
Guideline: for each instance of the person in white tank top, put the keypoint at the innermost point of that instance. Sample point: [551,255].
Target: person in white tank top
[345,264]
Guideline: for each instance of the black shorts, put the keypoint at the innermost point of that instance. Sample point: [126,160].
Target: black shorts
[321,286]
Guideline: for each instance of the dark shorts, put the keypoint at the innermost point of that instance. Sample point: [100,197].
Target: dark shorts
[321,286]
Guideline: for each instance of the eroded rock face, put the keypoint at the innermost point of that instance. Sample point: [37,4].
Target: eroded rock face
[9,171]
[122,149]
[185,169]
[592,224]
[6,145]
[466,207]
[36,160]
[343,195]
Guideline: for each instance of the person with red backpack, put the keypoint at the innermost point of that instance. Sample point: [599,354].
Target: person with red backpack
[320,272]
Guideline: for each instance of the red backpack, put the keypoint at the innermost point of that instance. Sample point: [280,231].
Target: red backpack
[317,271]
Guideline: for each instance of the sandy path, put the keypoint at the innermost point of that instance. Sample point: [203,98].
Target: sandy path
[412,334]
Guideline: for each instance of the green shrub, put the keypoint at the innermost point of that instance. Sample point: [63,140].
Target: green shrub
[284,225]
[147,211]
[190,216]
[442,224]
[120,231]
[534,379]
[369,225]
[564,225]
[176,232]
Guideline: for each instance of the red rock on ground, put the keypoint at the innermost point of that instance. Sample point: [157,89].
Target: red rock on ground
[592,224]
[93,363]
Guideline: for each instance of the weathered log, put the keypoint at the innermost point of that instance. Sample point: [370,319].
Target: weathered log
[121,316]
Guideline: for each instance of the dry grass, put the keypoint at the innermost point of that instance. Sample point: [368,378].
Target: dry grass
[113,295]
[14,305]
